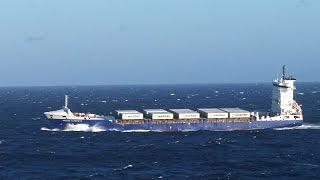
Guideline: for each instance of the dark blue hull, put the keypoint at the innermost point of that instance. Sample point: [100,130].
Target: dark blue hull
[220,126]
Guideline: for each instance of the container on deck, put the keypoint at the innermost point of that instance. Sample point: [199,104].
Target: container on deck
[129,115]
[213,113]
[158,114]
[237,113]
[185,114]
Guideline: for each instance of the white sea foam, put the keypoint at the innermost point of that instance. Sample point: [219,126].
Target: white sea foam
[124,168]
[2,141]
[87,128]
[188,130]
[77,128]
[138,130]
[47,129]
[302,127]
[129,166]
[84,128]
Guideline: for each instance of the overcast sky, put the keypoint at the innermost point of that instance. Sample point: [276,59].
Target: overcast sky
[90,42]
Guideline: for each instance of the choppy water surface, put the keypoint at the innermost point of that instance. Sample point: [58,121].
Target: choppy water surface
[30,150]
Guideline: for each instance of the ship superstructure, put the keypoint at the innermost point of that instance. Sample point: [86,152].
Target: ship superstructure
[285,112]
[283,102]
[66,116]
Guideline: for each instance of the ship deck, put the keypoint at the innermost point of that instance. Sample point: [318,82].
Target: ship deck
[179,121]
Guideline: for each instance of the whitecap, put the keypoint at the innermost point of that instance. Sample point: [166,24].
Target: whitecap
[138,130]
[47,129]
[84,128]
[77,128]
[188,130]
[124,168]
[129,166]
[302,127]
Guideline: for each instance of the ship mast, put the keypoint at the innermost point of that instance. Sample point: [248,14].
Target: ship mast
[284,69]
[66,101]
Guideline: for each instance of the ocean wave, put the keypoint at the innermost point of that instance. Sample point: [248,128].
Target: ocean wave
[83,127]
[77,128]
[138,130]
[302,127]
[87,128]
[124,168]
[47,129]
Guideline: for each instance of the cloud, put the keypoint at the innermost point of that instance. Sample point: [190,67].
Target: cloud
[123,28]
[33,39]
[304,3]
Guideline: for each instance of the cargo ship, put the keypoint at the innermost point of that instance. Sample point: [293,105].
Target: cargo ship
[285,112]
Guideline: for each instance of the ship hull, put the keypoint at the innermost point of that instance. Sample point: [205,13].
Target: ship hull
[218,126]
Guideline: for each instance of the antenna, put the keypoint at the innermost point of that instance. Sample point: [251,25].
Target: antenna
[284,69]
[66,101]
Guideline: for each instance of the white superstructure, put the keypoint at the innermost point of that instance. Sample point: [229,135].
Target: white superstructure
[66,114]
[283,102]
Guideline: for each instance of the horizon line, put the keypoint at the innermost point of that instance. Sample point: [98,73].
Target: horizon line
[144,84]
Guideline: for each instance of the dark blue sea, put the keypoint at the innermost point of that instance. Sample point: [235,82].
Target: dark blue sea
[31,150]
